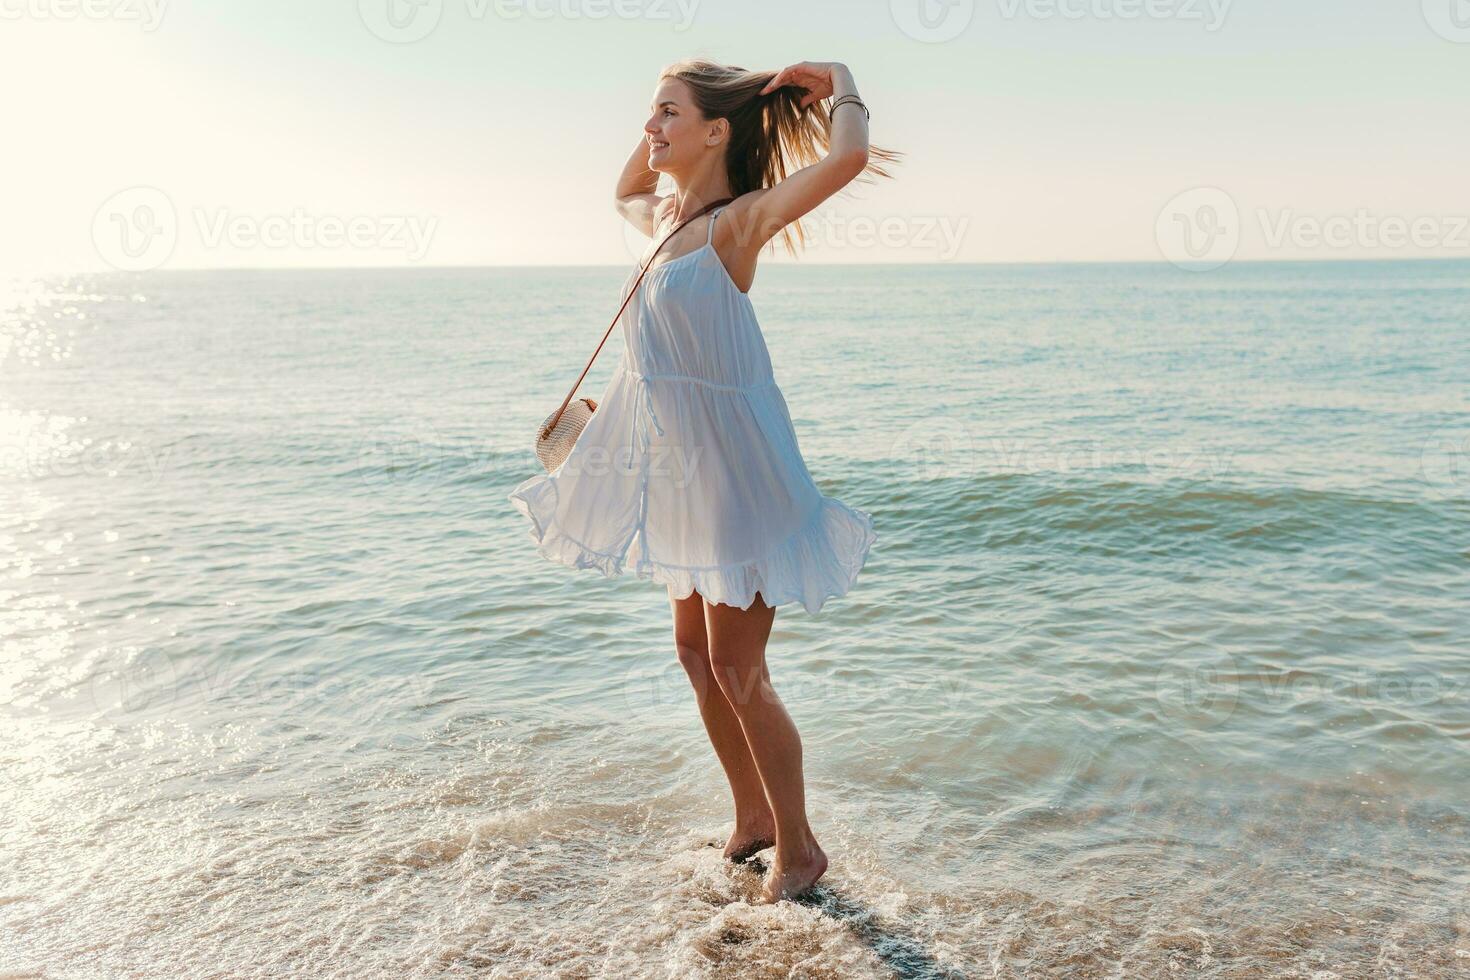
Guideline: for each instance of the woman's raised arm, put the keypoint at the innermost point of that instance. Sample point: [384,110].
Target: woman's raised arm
[635,194]
[847,153]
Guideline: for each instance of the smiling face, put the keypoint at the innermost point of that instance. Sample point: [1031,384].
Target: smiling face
[677,135]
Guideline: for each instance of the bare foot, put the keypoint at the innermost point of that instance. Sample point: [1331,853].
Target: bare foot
[746,842]
[790,880]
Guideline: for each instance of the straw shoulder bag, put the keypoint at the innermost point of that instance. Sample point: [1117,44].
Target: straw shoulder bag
[557,435]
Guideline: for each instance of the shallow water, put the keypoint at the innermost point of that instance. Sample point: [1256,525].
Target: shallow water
[1158,667]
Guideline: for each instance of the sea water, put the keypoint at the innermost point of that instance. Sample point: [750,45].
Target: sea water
[1158,666]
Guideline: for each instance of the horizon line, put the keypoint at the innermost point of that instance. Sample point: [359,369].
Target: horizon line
[1343,260]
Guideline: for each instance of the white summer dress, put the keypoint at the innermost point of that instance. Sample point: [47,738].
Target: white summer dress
[689,470]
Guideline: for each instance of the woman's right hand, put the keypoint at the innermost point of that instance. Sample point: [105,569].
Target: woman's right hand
[814,76]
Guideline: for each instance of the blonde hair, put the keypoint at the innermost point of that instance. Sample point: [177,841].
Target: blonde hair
[771,135]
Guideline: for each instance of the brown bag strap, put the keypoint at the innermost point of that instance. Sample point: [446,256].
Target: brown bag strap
[551,424]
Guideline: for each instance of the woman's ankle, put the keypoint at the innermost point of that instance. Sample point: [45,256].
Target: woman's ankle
[754,820]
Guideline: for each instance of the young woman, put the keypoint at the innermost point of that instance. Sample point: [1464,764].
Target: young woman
[716,501]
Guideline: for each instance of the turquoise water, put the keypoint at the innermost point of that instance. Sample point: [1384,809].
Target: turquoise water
[1158,667]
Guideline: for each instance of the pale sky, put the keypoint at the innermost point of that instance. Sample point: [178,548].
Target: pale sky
[1035,130]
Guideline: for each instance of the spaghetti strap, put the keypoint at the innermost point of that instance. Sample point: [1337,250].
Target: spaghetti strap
[709,236]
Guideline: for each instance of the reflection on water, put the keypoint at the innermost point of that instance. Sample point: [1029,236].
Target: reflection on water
[1159,667]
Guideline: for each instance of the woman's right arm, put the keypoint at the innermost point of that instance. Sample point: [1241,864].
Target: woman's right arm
[636,195]
[847,150]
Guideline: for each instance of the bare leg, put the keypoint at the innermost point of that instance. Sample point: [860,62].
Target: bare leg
[737,645]
[755,827]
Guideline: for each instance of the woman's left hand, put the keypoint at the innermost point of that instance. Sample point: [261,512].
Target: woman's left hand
[814,76]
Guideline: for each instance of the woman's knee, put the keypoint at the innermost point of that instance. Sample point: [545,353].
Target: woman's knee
[742,678]
[693,657]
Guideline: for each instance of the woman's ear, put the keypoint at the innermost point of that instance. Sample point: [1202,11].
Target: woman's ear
[718,133]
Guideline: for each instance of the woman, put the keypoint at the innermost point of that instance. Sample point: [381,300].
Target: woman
[728,518]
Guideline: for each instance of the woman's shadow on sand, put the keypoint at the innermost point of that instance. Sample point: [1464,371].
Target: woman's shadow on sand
[899,951]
